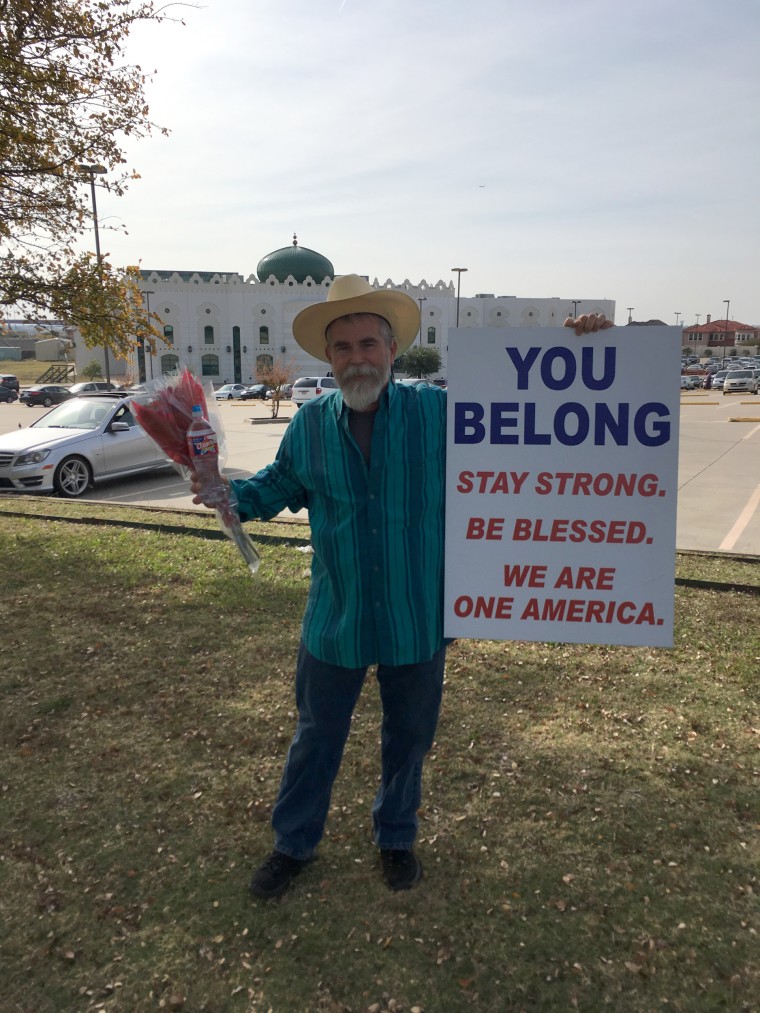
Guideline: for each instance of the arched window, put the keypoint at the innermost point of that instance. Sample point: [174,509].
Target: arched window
[263,335]
[431,335]
[210,365]
[168,334]
[208,334]
[169,364]
[264,362]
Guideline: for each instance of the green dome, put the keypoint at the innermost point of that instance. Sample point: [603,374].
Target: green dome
[295,260]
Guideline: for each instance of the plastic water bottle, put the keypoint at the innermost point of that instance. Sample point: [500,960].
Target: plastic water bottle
[203,450]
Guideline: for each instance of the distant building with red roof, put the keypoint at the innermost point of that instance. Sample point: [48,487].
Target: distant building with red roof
[721,334]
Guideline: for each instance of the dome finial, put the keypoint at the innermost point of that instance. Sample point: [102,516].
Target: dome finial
[295,239]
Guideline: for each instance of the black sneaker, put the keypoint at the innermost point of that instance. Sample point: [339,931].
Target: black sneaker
[401,869]
[274,875]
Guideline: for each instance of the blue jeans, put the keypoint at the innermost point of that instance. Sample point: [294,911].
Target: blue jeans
[326,696]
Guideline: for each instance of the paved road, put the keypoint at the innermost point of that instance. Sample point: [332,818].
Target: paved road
[719,466]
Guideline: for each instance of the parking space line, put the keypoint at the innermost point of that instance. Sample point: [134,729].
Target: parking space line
[741,522]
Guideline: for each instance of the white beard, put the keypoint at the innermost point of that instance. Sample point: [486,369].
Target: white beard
[361,386]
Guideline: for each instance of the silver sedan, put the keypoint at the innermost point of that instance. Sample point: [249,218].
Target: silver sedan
[80,442]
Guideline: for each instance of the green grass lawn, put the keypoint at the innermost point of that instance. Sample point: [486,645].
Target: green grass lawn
[589,827]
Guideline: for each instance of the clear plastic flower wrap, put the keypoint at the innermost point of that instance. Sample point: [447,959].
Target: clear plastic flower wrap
[165,411]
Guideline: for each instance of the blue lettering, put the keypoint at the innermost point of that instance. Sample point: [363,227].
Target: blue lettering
[468,422]
[522,366]
[587,368]
[656,434]
[567,358]
[565,412]
[564,356]
[533,438]
[499,421]
[604,420]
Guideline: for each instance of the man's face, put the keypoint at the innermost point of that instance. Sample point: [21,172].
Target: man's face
[361,360]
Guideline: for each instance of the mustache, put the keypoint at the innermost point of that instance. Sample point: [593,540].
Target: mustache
[357,372]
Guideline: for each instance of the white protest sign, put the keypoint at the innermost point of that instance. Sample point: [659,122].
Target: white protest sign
[561,485]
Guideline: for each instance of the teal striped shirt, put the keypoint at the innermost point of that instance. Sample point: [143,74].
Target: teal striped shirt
[376,591]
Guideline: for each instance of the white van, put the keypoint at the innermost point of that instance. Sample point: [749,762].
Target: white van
[307,387]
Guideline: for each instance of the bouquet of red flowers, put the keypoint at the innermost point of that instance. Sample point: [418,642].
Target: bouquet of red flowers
[165,410]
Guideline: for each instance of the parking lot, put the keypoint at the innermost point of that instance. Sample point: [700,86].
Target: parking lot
[718,481]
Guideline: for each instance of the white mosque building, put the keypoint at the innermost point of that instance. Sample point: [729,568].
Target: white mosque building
[225,327]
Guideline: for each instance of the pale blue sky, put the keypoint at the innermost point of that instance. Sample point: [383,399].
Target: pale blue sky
[573,148]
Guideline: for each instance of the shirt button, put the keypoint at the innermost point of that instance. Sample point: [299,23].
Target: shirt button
[374,531]
[372,495]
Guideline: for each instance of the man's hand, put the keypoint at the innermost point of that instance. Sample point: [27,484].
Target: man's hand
[196,488]
[589,322]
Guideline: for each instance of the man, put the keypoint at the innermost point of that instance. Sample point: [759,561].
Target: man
[368,462]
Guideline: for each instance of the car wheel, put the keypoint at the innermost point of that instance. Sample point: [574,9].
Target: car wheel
[73,476]
[47,402]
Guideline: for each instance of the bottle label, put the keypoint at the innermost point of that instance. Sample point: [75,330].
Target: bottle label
[203,445]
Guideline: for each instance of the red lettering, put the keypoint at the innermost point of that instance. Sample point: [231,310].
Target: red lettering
[577,610]
[586,576]
[483,608]
[465,481]
[533,576]
[594,532]
[475,527]
[492,529]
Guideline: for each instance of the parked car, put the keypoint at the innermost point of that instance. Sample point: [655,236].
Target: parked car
[91,386]
[307,387]
[7,395]
[256,392]
[415,381]
[83,441]
[740,380]
[718,378]
[230,390]
[286,392]
[688,382]
[9,380]
[45,394]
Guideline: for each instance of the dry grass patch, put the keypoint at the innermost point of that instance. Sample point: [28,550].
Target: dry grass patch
[589,828]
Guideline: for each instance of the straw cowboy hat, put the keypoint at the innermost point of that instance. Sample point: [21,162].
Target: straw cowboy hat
[352,294]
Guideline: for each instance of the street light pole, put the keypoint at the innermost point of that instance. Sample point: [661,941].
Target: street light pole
[678,314]
[725,335]
[575,307]
[458,271]
[421,299]
[630,311]
[147,295]
[92,171]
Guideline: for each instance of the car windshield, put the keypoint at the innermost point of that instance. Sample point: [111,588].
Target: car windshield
[739,374]
[79,414]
